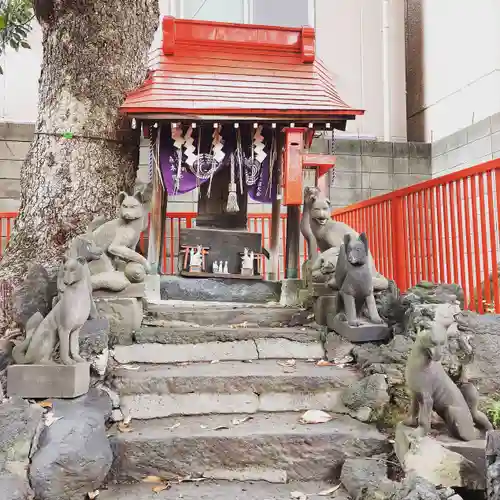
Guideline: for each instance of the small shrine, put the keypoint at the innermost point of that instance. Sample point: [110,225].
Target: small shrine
[231,110]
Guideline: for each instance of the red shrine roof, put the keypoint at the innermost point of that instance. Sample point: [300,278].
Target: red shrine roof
[206,69]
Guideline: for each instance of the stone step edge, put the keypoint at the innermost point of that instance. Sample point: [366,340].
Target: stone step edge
[239,350]
[154,406]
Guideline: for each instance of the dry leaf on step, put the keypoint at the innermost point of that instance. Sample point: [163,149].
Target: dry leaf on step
[203,426]
[92,495]
[214,361]
[238,421]
[324,362]
[288,363]
[315,417]
[298,495]
[190,479]
[50,419]
[46,404]
[329,492]
[124,427]
[220,428]
[152,479]
[130,367]
[178,424]
[161,487]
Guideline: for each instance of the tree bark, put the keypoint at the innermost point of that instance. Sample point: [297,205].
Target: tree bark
[94,52]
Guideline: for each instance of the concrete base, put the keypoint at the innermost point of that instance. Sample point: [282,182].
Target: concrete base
[323,306]
[152,284]
[48,381]
[124,315]
[367,332]
[321,289]
[290,289]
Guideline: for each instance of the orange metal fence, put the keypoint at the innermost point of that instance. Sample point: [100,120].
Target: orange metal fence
[258,223]
[443,230]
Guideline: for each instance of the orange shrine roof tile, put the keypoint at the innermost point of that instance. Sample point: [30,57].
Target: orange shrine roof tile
[207,69]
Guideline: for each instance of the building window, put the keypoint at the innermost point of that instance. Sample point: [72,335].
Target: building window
[291,13]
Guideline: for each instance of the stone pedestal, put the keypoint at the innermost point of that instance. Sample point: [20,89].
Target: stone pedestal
[124,315]
[366,332]
[290,288]
[48,381]
[324,306]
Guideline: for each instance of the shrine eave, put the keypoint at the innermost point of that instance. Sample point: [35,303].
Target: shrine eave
[207,70]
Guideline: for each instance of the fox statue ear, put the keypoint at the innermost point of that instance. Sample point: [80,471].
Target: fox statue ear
[364,240]
[328,202]
[139,196]
[347,240]
[121,196]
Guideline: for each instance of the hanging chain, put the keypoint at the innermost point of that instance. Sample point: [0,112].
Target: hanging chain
[151,154]
[333,148]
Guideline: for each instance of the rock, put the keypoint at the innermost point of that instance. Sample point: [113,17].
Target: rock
[74,454]
[365,396]
[21,424]
[484,330]
[493,465]
[34,294]
[358,474]
[336,347]
[15,488]
[427,458]
[6,347]
[94,338]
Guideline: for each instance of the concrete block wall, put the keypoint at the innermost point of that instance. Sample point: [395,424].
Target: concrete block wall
[469,146]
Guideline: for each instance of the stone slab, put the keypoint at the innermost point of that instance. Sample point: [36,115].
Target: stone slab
[224,490]
[320,289]
[219,289]
[324,305]
[288,349]
[290,289]
[306,452]
[216,313]
[48,381]
[471,450]
[134,290]
[124,315]
[184,333]
[164,353]
[152,283]
[358,334]
[248,474]
[230,377]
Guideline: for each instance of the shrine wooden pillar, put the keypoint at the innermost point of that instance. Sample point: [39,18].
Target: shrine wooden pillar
[274,251]
[293,192]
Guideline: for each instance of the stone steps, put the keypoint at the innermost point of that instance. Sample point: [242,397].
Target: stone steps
[239,350]
[271,444]
[230,387]
[172,332]
[210,490]
[221,313]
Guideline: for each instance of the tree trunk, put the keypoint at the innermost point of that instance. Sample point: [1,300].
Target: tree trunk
[94,52]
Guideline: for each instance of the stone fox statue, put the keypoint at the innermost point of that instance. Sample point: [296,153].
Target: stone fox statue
[62,324]
[354,278]
[118,239]
[432,389]
[310,195]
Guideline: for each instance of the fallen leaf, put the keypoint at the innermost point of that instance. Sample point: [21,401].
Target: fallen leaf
[161,487]
[190,479]
[315,417]
[129,367]
[220,428]
[124,427]
[127,420]
[93,494]
[298,495]
[324,362]
[343,361]
[46,404]
[50,419]
[311,316]
[204,426]
[178,424]
[238,421]
[288,363]
[326,493]
[184,363]
[152,479]
[214,361]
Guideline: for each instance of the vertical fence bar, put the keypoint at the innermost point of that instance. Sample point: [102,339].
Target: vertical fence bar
[493,240]
[478,296]
[399,246]
[411,230]
[470,279]
[454,230]
[421,242]
[446,220]
[428,237]
[461,240]
[440,235]
[435,269]
[484,243]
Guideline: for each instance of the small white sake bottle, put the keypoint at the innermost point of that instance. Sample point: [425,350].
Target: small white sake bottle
[226,270]
[215,267]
